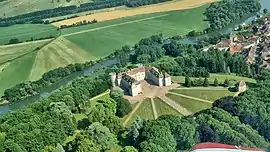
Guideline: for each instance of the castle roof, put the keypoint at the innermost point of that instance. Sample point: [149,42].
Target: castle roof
[136,70]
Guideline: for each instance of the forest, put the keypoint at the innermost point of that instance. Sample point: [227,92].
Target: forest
[38,16]
[222,13]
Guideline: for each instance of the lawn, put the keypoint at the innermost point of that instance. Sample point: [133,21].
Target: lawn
[189,104]
[221,78]
[204,93]
[164,109]
[26,32]
[16,71]
[144,111]
[105,39]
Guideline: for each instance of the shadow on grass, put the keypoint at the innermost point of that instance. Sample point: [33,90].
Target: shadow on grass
[82,124]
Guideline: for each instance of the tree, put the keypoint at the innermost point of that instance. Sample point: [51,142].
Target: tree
[207,134]
[265,11]
[87,145]
[129,149]
[226,83]
[123,107]
[14,41]
[102,136]
[205,82]
[150,147]
[216,82]
[59,148]
[187,82]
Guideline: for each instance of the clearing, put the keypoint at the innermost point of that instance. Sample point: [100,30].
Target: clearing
[204,93]
[18,7]
[189,104]
[25,32]
[115,14]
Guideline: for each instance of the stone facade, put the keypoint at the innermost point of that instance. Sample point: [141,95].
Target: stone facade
[130,81]
[241,86]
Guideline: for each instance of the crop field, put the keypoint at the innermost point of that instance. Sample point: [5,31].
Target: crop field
[58,53]
[204,93]
[16,71]
[104,39]
[17,7]
[190,104]
[25,32]
[164,109]
[115,14]
[220,77]
[11,52]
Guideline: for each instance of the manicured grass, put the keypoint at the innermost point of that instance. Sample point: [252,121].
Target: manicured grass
[207,94]
[221,78]
[16,72]
[144,111]
[101,42]
[189,104]
[24,32]
[164,109]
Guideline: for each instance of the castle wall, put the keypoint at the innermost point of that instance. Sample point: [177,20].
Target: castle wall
[139,76]
[167,81]
[135,90]
[152,77]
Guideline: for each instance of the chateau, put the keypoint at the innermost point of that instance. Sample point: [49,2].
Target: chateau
[131,81]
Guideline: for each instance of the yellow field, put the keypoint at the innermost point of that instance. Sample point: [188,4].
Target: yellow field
[58,53]
[165,7]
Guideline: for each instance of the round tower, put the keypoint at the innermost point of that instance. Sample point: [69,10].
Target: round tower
[113,78]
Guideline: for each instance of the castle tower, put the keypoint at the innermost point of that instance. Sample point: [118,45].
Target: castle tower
[113,78]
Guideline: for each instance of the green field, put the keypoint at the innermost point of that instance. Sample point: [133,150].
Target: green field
[24,32]
[221,78]
[207,94]
[164,109]
[18,7]
[144,111]
[104,39]
[16,71]
[189,104]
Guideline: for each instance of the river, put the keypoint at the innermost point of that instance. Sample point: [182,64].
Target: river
[55,87]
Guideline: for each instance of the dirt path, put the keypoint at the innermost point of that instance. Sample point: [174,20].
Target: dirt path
[236,94]
[175,106]
[194,98]
[132,112]
[203,88]
[155,8]
[108,26]
[154,108]
[25,43]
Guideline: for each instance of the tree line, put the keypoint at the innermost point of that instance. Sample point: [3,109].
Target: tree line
[222,13]
[38,16]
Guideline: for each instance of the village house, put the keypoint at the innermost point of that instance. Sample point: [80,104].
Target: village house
[130,80]
[241,86]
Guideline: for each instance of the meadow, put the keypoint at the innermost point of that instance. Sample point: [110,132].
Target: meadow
[25,32]
[144,111]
